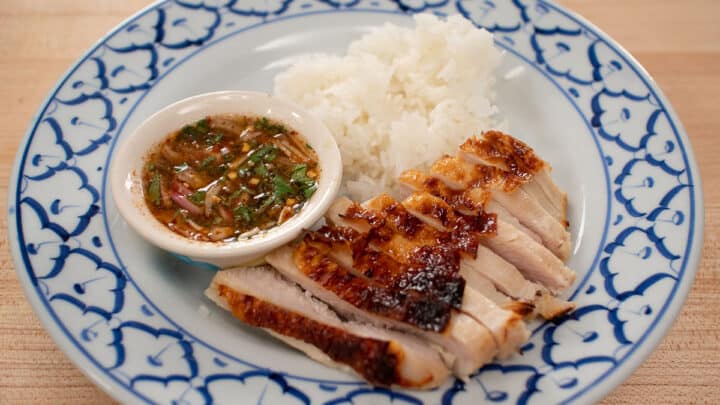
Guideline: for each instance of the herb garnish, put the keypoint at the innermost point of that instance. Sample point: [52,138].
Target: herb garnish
[242,213]
[268,126]
[212,139]
[197,197]
[154,189]
[265,152]
[261,170]
[282,188]
[207,162]
[306,184]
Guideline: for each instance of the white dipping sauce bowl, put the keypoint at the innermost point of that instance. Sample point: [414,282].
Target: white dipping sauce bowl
[127,167]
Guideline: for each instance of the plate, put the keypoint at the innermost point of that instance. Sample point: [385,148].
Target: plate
[134,318]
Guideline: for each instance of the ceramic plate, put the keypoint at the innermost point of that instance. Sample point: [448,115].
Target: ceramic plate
[134,318]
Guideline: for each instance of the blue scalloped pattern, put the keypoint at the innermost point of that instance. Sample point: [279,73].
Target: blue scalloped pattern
[644,255]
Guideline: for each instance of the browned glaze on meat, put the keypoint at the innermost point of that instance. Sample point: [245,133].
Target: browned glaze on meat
[432,207]
[398,235]
[467,175]
[415,256]
[437,210]
[340,237]
[518,160]
[463,231]
[430,270]
[398,232]
[470,201]
[521,308]
[422,311]
[376,360]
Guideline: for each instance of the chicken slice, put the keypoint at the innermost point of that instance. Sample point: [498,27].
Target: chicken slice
[431,271]
[469,344]
[516,247]
[505,215]
[417,238]
[470,201]
[459,174]
[260,297]
[467,201]
[523,166]
[507,327]
[532,174]
[557,197]
[535,261]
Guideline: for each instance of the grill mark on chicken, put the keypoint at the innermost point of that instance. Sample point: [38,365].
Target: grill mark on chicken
[429,260]
[470,201]
[430,270]
[438,210]
[549,307]
[481,197]
[424,312]
[392,234]
[513,156]
[461,237]
[506,327]
[418,181]
[459,174]
[376,360]
[501,150]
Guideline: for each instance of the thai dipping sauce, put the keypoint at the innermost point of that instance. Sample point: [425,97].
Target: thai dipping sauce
[227,177]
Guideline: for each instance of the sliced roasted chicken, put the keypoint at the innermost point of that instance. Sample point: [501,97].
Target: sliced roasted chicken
[459,174]
[469,344]
[260,297]
[431,271]
[486,263]
[513,156]
[535,261]
[417,246]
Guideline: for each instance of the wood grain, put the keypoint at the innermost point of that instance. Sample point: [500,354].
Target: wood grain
[677,41]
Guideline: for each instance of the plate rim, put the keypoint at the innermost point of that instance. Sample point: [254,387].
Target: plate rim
[649,342]
[57,333]
[602,386]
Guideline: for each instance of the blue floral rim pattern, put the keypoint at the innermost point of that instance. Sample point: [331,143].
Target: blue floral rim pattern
[65,250]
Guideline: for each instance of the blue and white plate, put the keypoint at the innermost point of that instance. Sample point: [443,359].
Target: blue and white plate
[134,318]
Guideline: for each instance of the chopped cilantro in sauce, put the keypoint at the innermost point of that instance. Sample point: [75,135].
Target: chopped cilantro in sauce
[226,175]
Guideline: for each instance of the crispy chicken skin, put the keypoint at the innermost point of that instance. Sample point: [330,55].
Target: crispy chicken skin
[533,259]
[469,344]
[461,174]
[457,239]
[261,298]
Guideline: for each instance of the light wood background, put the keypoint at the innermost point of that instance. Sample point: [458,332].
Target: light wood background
[677,41]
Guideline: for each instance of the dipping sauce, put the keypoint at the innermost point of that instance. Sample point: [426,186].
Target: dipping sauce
[229,176]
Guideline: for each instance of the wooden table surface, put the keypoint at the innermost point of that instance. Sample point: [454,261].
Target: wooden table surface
[677,41]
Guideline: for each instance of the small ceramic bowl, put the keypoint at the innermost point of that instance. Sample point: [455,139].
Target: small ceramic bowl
[127,166]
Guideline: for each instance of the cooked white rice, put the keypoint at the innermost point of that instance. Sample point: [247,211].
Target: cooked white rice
[400,98]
